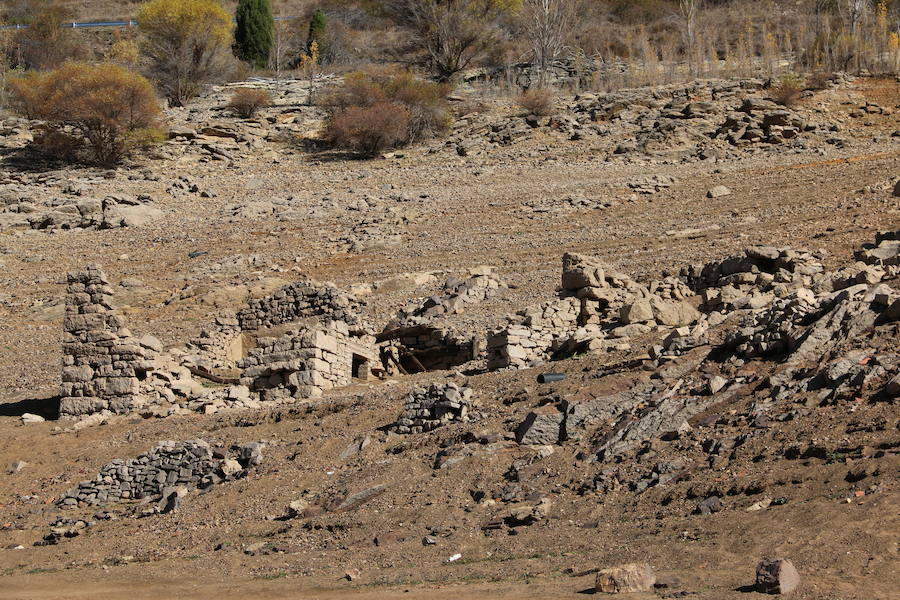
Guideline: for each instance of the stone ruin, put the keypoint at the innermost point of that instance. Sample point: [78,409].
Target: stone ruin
[414,342]
[103,364]
[426,409]
[305,362]
[589,291]
[308,339]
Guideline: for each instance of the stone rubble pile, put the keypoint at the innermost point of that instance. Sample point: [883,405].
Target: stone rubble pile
[482,284]
[428,408]
[569,203]
[597,307]
[701,120]
[103,364]
[885,252]
[191,464]
[651,184]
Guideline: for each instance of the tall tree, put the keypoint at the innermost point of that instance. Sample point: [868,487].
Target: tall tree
[187,43]
[255,32]
[317,27]
[448,35]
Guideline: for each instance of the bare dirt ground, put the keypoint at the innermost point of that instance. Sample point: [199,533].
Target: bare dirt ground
[460,212]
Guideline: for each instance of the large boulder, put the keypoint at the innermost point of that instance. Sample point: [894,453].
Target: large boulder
[582,271]
[674,313]
[633,577]
[776,576]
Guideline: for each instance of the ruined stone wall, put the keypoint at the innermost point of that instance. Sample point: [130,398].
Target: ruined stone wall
[103,363]
[299,301]
[428,408]
[533,334]
[191,464]
[303,363]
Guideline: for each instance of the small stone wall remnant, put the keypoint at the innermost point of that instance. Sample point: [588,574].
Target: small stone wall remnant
[190,463]
[426,409]
[299,301]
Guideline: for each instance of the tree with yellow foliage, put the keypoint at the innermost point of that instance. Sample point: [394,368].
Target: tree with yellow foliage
[188,44]
[449,34]
[111,109]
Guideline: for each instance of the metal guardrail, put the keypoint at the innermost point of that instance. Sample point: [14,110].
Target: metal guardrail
[91,24]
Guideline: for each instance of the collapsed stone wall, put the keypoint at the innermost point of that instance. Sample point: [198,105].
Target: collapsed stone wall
[305,362]
[591,291]
[430,348]
[763,267]
[191,464]
[103,364]
[299,301]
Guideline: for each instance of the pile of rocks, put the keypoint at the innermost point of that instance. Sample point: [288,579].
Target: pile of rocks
[482,284]
[772,331]
[184,186]
[103,363]
[764,268]
[886,250]
[591,291]
[651,184]
[77,213]
[299,301]
[568,203]
[426,409]
[191,464]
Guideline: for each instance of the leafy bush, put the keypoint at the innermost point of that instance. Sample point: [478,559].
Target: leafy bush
[787,90]
[538,101]
[369,130]
[188,44]
[125,52]
[108,107]
[246,102]
[424,102]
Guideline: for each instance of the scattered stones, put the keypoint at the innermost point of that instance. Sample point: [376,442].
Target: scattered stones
[718,192]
